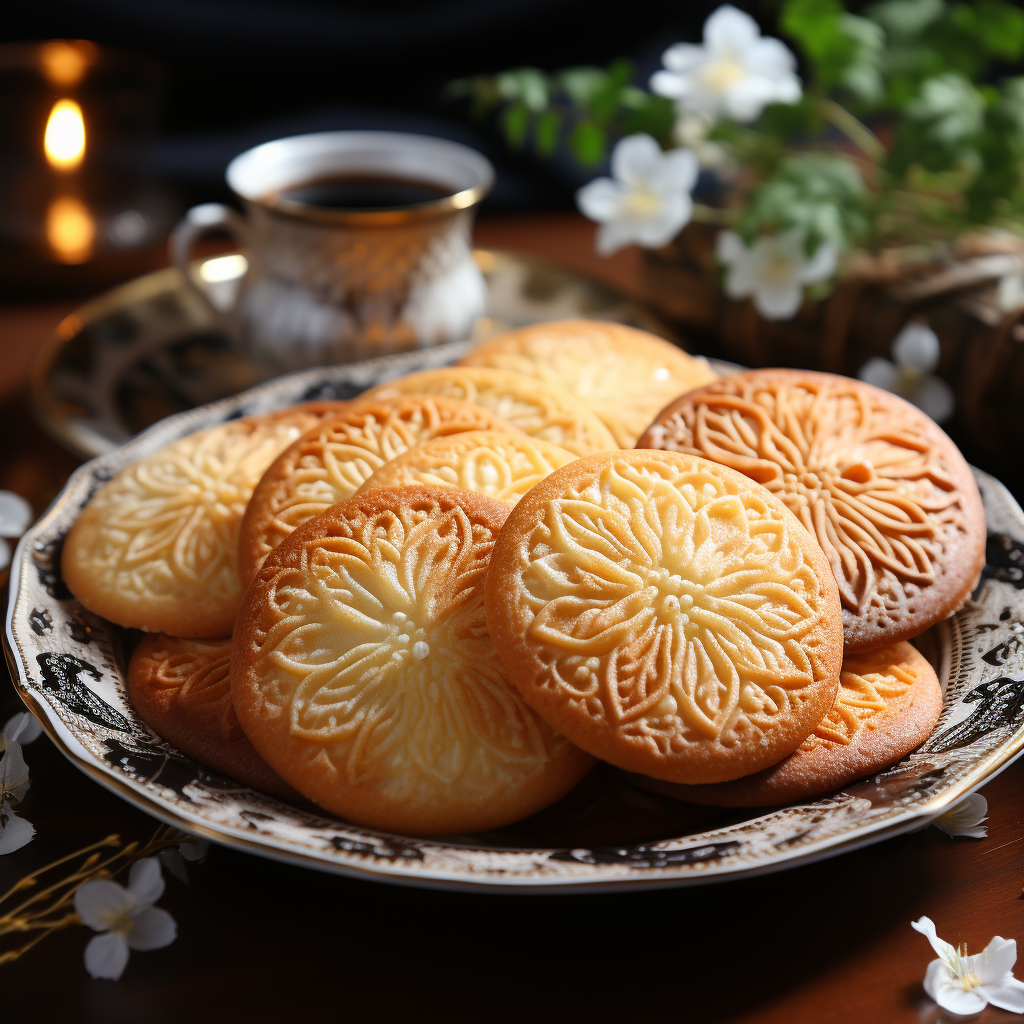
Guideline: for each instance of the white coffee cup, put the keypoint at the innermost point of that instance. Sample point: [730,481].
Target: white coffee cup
[326,285]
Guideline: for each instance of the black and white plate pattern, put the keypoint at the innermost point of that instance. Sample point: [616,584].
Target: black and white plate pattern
[70,670]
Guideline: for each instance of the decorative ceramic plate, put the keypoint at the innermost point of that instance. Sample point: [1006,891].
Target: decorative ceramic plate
[607,834]
[151,348]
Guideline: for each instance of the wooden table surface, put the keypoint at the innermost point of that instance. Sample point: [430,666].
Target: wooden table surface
[257,940]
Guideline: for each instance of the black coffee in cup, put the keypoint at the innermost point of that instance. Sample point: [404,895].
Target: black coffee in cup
[361,193]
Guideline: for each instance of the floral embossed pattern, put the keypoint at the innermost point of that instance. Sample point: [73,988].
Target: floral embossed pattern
[677,621]
[157,547]
[333,460]
[888,703]
[889,497]
[535,408]
[502,466]
[182,690]
[365,674]
[624,375]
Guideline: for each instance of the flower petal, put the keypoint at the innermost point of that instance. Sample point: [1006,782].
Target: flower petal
[926,926]
[952,997]
[680,59]
[99,902]
[174,864]
[145,882]
[780,303]
[194,849]
[728,30]
[613,236]
[599,199]
[1007,994]
[13,770]
[106,956]
[821,266]
[22,727]
[917,346]
[152,929]
[997,959]
[636,159]
[15,832]
[729,248]
[881,373]
[679,171]
[934,397]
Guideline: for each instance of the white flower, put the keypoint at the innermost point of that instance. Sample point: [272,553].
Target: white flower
[126,917]
[965,819]
[774,270]
[966,984]
[173,858]
[648,202]
[916,353]
[15,832]
[736,73]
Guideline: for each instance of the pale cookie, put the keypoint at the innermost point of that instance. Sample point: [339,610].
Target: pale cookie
[530,405]
[362,670]
[888,703]
[624,375]
[331,462]
[666,615]
[156,548]
[886,492]
[182,691]
[501,465]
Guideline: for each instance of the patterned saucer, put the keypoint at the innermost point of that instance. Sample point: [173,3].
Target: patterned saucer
[151,348]
[70,670]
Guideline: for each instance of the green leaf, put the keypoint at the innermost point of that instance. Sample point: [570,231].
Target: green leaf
[998,26]
[580,84]
[527,85]
[546,132]
[514,119]
[906,17]
[823,195]
[949,108]
[587,142]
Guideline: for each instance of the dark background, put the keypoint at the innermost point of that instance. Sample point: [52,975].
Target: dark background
[241,72]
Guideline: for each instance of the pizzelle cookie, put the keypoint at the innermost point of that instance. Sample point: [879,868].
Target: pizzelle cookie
[888,703]
[624,375]
[362,670]
[538,409]
[331,462]
[156,548]
[886,492]
[182,691]
[501,465]
[666,615]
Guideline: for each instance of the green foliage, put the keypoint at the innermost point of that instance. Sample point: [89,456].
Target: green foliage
[954,156]
[821,194]
[845,51]
[584,107]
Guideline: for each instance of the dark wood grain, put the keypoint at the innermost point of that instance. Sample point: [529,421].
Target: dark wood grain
[828,943]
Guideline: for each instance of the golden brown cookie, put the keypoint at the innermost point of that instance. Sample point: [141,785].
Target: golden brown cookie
[362,670]
[182,691]
[888,703]
[331,462]
[157,547]
[530,405]
[666,615]
[624,375]
[886,492]
[501,465]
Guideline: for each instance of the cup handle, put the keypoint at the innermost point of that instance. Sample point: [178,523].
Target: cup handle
[200,221]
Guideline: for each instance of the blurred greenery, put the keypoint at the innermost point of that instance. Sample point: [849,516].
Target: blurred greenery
[907,129]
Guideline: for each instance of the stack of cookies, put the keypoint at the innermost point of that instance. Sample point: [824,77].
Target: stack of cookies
[430,610]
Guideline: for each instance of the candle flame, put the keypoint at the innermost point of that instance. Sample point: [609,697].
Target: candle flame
[70,229]
[64,141]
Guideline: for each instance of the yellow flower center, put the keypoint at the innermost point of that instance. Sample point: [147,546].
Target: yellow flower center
[642,203]
[966,976]
[723,73]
